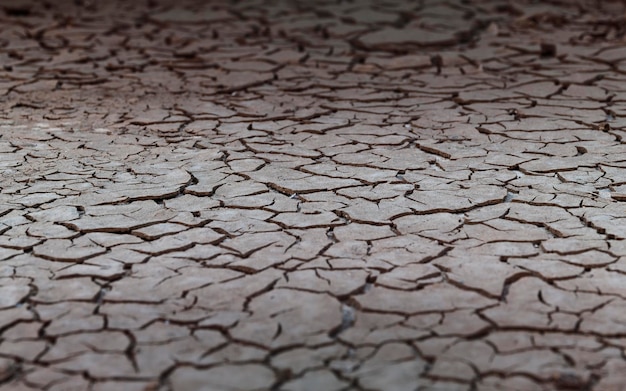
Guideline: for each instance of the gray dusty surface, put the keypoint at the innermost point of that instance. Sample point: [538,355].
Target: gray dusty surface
[273,195]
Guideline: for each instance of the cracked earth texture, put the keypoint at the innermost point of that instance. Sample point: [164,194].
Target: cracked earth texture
[329,195]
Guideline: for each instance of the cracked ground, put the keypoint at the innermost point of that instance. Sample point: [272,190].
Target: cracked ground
[329,195]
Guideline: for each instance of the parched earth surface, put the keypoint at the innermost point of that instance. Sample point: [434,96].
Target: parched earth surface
[328,195]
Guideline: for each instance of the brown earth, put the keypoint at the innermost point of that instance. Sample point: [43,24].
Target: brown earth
[327,195]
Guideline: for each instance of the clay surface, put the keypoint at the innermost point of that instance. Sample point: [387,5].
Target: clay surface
[312,195]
